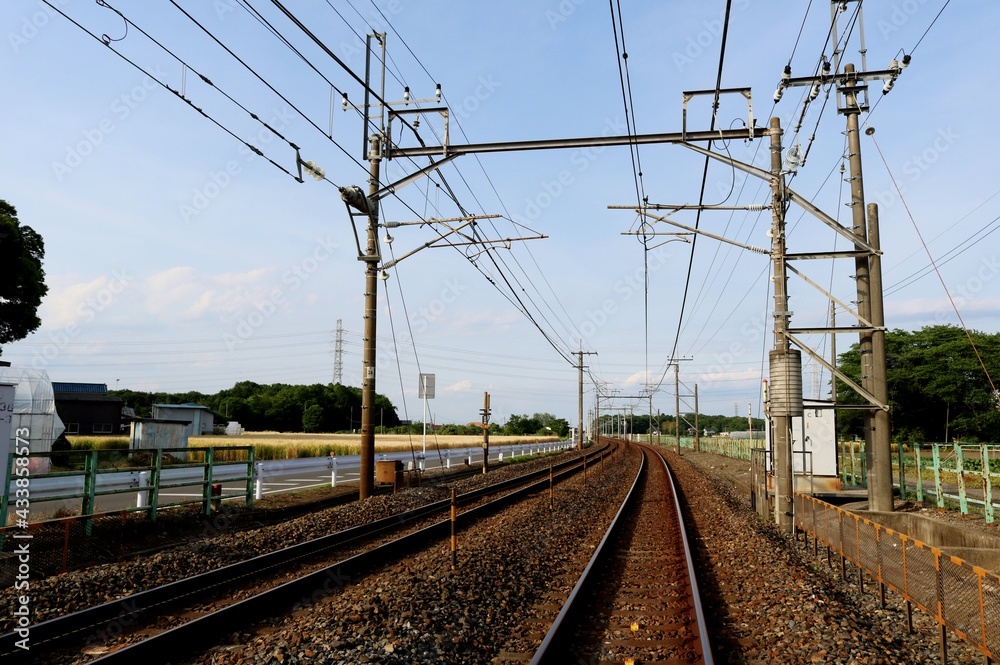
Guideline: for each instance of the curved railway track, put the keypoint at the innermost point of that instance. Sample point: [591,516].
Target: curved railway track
[73,631]
[637,600]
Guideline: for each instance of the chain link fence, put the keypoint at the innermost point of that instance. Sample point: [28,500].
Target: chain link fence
[959,596]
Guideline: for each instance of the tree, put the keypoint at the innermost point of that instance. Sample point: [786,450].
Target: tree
[937,387]
[312,418]
[22,280]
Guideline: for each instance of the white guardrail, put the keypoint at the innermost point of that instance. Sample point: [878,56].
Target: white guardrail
[42,488]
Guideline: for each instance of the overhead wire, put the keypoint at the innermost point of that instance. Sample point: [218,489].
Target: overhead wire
[260,78]
[495,258]
[572,328]
[930,256]
[844,38]
[257,151]
[701,196]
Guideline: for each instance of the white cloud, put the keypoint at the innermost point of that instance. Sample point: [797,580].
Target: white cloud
[928,307]
[460,387]
[735,375]
[68,301]
[184,293]
[637,379]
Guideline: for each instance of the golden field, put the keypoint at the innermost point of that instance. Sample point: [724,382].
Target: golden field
[278,445]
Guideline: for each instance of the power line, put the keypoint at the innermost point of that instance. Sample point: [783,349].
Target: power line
[704,182]
[180,96]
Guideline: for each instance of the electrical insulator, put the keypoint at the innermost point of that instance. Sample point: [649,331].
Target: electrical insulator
[343,103]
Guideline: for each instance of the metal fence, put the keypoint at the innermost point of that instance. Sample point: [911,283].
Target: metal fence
[88,474]
[962,474]
[58,546]
[959,596]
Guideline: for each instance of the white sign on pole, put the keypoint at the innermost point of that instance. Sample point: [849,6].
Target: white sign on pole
[426,386]
[426,392]
[6,419]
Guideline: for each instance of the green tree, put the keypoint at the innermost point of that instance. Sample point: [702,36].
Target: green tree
[312,418]
[936,385]
[22,280]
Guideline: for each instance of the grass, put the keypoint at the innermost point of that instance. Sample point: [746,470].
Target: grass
[98,442]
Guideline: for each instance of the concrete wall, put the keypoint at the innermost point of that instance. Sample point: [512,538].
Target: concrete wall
[976,547]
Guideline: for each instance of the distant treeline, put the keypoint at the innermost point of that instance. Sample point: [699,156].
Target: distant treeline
[277,407]
[639,423]
[333,407]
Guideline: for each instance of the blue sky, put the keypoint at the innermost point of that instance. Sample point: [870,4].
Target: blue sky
[178,260]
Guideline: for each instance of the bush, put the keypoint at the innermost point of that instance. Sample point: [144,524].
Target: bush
[62,446]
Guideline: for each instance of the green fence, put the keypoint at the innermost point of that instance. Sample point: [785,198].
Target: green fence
[149,466]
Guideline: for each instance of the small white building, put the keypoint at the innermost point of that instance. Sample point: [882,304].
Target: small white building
[201,419]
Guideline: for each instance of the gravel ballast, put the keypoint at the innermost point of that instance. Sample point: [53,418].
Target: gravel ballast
[767,598]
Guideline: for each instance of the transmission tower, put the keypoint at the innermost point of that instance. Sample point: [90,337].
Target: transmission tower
[338,354]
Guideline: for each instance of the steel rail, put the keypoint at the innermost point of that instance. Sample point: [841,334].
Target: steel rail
[126,611]
[179,642]
[553,647]
[706,647]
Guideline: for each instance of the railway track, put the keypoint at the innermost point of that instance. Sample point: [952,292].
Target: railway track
[202,606]
[637,600]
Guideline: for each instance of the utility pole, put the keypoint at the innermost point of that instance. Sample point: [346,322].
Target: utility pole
[485,411]
[677,404]
[372,259]
[581,353]
[852,85]
[785,362]
[882,501]
[697,427]
[366,205]
[650,428]
[833,351]
[877,460]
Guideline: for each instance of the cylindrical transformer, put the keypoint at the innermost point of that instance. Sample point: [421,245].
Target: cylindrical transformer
[785,386]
